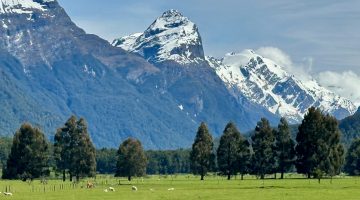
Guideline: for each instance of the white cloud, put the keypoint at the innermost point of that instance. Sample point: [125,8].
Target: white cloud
[346,84]
[300,70]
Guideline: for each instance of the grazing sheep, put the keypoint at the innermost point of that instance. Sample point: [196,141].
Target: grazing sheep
[106,190]
[171,189]
[111,189]
[8,194]
[134,188]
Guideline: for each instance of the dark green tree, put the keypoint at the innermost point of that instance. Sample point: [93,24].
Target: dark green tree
[29,155]
[83,153]
[306,148]
[105,161]
[285,148]
[263,160]
[244,156]
[352,164]
[74,151]
[131,159]
[201,155]
[228,151]
[5,147]
[319,151]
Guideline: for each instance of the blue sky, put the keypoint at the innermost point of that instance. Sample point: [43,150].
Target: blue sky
[321,36]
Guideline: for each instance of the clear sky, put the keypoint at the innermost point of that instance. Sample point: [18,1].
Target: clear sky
[322,37]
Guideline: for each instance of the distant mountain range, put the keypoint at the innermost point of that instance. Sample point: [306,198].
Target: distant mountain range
[173,37]
[157,87]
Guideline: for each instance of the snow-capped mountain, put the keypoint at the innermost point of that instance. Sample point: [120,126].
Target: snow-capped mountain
[22,6]
[171,37]
[266,83]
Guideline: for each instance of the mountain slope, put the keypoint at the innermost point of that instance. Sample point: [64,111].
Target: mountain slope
[59,70]
[350,128]
[173,44]
[266,83]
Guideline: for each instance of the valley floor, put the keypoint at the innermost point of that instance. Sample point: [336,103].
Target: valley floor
[188,188]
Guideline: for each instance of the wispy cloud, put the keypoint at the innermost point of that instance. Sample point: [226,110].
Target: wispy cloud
[344,83]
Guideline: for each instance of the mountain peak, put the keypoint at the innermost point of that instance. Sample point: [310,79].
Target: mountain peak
[172,13]
[22,6]
[171,37]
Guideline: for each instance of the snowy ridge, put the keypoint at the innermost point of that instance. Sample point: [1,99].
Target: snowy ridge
[170,37]
[266,83]
[21,6]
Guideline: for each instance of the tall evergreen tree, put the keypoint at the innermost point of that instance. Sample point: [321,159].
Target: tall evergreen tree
[309,131]
[29,156]
[74,151]
[244,156]
[62,150]
[319,151]
[263,160]
[201,155]
[83,153]
[285,148]
[228,151]
[131,159]
[352,164]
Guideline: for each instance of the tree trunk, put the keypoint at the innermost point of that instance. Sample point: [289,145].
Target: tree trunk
[275,176]
[71,177]
[308,175]
[282,175]
[262,176]
[77,178]
[202,177]
[242,176]
[64,176]
[229,177]
[129,178]
[319,180]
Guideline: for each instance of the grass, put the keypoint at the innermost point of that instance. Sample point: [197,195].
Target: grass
[189,188]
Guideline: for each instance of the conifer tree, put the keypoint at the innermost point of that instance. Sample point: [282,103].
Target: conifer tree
[201,155]
[29,155]
[228,151]
[319,151]
[74,151]
[352,164]
[285,148]
[263,160]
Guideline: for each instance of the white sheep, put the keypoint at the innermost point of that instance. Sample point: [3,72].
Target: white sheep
[8,194]
[171,189]
[134,188]
[111,189]
[106,190]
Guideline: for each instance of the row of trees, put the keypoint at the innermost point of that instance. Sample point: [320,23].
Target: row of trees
[318,150]
[73,154]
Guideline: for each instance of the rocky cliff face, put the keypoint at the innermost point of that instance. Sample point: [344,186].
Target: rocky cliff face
[266,83]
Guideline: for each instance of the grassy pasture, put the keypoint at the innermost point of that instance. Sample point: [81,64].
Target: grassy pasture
[188,188]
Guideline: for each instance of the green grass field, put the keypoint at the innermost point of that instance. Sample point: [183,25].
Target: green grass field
[188,188]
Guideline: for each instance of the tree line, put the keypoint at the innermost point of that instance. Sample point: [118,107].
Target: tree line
[316,152]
